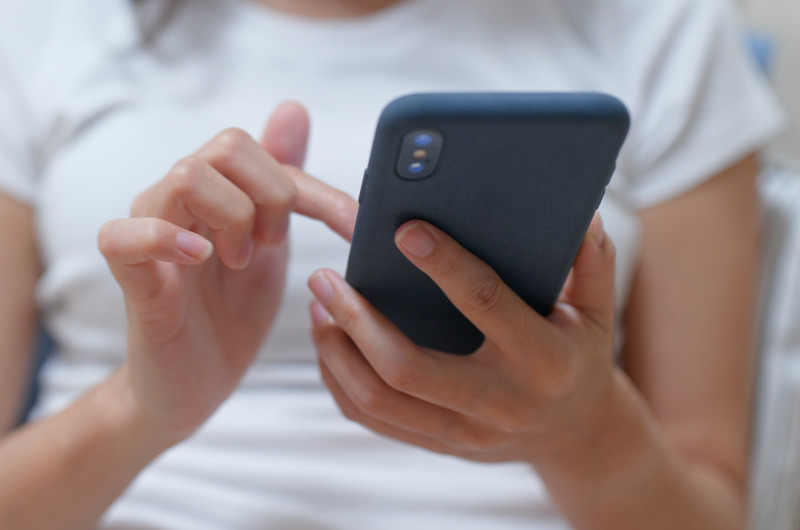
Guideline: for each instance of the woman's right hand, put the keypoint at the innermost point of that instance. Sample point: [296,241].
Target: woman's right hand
[197,312]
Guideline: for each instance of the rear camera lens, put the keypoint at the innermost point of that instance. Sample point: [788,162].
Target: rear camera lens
[423,139]
[416,167]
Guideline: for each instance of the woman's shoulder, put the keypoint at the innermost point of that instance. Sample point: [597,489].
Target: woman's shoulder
[662,22]
[663,11]
[619,32]
[36,34]
[25,28]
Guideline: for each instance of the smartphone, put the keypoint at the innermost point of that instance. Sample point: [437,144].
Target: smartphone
[515,178]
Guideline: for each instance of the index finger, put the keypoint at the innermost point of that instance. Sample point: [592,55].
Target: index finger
[325,203]
[473,287]
[243,161]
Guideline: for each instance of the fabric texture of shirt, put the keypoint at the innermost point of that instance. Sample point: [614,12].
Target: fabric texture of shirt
[90,116]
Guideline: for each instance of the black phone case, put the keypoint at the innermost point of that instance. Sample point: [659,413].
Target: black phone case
[518,179]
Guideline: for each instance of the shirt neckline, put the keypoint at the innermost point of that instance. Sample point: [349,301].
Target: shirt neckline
[344,29]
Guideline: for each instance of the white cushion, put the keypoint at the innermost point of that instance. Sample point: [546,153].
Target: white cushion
[775,479]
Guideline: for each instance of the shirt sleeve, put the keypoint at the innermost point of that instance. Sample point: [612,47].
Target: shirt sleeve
[43,48]
[703,105]
[26,28]
[19,162]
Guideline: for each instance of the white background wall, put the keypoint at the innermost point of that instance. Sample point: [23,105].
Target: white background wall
[781,20]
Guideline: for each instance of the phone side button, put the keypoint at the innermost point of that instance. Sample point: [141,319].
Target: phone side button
[363,186]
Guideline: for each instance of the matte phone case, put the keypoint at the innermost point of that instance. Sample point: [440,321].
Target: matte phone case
[518,180]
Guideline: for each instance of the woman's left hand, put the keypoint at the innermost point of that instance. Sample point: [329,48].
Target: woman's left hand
[538,388]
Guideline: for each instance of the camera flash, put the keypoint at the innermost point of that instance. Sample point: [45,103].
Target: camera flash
[419,154]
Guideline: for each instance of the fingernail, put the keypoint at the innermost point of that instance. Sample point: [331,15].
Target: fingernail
[598,231]
[321,286]
[194,245]
[417,240]
[319,315]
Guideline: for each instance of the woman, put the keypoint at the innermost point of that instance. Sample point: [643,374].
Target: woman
[97,110]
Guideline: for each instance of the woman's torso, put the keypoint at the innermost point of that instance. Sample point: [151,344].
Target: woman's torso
[278,453]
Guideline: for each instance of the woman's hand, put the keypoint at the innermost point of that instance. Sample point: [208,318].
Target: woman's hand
[197,312]
[538,388]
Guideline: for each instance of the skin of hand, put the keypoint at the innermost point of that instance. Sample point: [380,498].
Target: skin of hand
[621,450]
[197,312]
[538,388]
[196,318]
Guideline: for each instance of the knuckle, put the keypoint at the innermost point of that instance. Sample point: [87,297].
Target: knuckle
[349,317]
[371,401]
[563,378]
[510,420]
[508,409]
[485,295]
[348,410]
[232,139]
[227,146]
[186,174]
[403,377]
[448,264]
[471,439]
[556,375]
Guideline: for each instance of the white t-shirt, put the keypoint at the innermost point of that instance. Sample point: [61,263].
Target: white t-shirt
[89,117]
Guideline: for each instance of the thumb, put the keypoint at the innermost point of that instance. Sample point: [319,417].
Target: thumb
[286,134]
[590,286]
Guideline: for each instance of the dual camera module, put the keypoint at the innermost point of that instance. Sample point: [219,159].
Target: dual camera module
[419,153]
